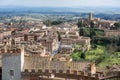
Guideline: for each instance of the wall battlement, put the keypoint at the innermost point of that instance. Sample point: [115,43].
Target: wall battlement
[67,72]
[70,73]
[10,51]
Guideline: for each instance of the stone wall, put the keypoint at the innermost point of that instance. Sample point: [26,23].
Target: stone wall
[62,75]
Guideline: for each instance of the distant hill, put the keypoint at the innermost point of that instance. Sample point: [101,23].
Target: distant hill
[102,12]
[108,10]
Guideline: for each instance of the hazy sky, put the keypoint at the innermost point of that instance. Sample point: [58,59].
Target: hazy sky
[60,3]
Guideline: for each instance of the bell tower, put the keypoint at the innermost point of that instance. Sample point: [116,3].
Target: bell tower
[90,16]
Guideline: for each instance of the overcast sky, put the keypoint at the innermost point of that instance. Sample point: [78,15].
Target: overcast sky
[60,3]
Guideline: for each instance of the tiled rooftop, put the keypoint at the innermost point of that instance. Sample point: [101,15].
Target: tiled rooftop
[37,62]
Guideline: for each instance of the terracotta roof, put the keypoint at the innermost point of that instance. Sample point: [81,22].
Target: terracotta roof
[37,62]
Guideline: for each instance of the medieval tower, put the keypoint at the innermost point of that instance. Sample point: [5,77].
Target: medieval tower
[90,16]
[12,62]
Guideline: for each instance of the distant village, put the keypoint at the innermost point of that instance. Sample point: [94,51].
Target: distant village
[40,52]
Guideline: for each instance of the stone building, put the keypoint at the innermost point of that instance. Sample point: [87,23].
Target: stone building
[73,38]
[36,49]
[19,38]
[67,41]
[49,43]
[12,62]
[30,37]
[84,42]
[90,16]
[66,49]
[112,33]
[99,23]
[4,33]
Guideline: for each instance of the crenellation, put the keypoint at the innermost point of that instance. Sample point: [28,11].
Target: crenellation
[46,70]
[26,70]
[89,74]
[54,71]
[68,71]
[85,73]
[33,71]
[82,73]
[2,51]
[10,51]
[39,70]
[71,72]
[75,72]
[60,71]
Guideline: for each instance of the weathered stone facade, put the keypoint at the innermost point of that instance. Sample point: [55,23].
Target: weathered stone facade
[12,63]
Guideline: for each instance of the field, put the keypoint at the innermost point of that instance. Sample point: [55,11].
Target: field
[100,55]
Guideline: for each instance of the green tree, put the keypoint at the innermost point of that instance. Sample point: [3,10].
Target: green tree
[80,24]
[56,22]
[117,25]
[81,31]
[92,31]
[59,36]
[47,22]
[83,56]
[92,24]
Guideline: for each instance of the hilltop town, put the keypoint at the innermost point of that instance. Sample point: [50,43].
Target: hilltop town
[85,49]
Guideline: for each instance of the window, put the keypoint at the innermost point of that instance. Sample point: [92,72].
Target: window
[11,72]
